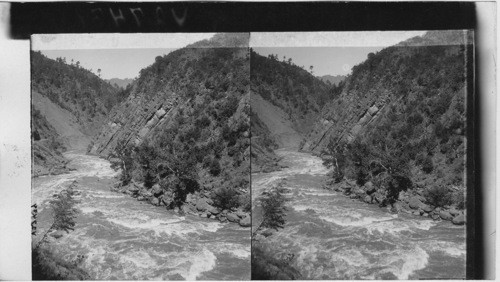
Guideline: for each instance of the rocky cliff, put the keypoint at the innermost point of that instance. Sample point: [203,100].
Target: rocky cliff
[422,73]
[183,132]
[399,123]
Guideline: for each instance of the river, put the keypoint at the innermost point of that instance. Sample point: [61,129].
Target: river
[122,238]
[334,237]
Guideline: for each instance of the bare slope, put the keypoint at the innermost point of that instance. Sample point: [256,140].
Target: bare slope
[276,121]
[64,122]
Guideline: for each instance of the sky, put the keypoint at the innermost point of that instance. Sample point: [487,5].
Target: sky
[117,55]
[325,60]
[114,63]
[330,53]
[124,55]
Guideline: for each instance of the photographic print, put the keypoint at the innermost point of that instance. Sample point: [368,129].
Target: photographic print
[358,154]
[141,157]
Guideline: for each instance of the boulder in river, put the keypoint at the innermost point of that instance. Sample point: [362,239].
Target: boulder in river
[415,203]
[156,190]
[213,210]
[133,189]
[459,219]
[246,222]
[155,201]
[368,199]
[427,208]
[232,217]
[445,215]
[369,188]
[202,205]
[454,212]
[240,213]
[359,192]
[378,197]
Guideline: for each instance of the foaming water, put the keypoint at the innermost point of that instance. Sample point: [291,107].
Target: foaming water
[334,237]
[122,238]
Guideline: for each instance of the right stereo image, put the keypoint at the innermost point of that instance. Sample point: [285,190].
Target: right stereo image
[358,154]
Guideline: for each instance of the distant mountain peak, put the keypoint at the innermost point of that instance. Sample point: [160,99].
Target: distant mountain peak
[121,82]
[333,79]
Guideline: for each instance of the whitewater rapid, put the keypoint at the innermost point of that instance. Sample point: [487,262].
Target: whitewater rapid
[334,237]
[122,238]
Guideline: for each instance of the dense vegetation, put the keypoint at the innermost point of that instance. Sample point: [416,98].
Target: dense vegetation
[288,86]
[204,145]
[74,88]
[418,140]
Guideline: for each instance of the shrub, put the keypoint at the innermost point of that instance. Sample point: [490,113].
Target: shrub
[438,196]
[225,198]
[459,200]
[215,168]
[245,202]
[273,207]
[427,164]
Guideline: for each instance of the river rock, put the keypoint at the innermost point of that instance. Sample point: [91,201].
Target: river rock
[350,182]
[368,199]
[155,201]
[369,188]
[378,197]
[232,217]
[133,189]
[141,198]
[213,210]
[190,198]
[397,207]
[415,203]
[459,220]
[445,215]
[222,219]
[246,222]
[454,212]
[156,190]
[359,192]
[145,193]
[202,205]
[240,214]
[427,208]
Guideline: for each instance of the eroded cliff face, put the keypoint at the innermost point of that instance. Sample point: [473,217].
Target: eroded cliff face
[134,120]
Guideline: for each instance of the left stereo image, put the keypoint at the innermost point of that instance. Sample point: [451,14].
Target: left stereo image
[140,157]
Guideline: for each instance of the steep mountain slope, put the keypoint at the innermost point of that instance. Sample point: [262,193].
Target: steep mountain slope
[402,113]
[296,92]
[46,149]
[68,104]
[71,87]
[184,129]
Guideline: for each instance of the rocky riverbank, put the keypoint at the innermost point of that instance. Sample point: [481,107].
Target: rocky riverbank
[199,203]
[410,202]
